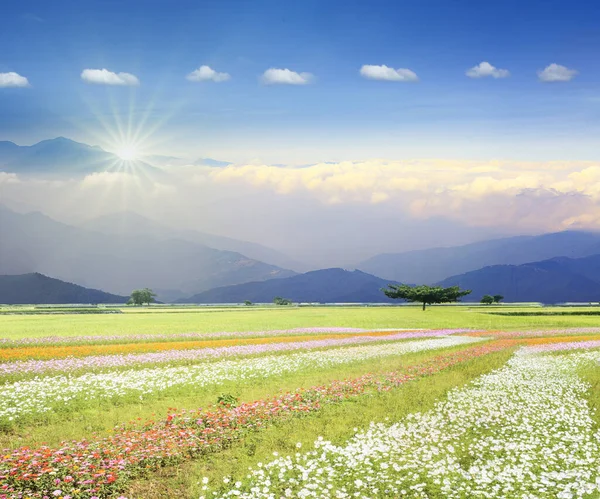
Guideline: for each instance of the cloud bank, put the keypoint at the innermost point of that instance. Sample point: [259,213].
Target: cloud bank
[385,73]
[308,210]
[106,77]
[206,73]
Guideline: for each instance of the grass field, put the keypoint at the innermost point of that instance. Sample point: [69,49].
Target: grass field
[165,402]
[205,319]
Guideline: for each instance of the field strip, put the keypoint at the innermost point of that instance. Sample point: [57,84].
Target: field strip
[555,347]
[525,431]
[135,338]
[62,351]
[102,468]
[37,396]
[70,364]
[537,333]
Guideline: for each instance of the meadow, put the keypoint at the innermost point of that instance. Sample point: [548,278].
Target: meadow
[254,402]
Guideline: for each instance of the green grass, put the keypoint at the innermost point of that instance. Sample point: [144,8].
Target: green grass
[333,422]
[77,423]
[592,376]
[166,321]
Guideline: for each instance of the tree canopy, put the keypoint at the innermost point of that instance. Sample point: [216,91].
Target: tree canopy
[498,298]
[427,295]
[278,300]
[141,296]
[487,299]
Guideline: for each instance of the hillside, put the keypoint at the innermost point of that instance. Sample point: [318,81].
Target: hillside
[40,289]
[174,267]
[129,223]
[432,265]
[322,286]
[556,280]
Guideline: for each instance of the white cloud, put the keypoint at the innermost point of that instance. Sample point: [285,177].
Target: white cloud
[276,76]
[13,80]
[556,72]
[106,77]
[206,73]
[9,178]
[484,69]
[387,74]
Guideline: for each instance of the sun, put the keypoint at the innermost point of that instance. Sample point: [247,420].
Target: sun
[128,153]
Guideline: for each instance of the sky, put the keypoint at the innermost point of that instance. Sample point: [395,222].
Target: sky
[501,91]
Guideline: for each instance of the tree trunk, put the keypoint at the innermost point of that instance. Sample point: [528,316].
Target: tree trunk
[423,305]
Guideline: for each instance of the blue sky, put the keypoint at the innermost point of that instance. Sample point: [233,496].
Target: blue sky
[340,115]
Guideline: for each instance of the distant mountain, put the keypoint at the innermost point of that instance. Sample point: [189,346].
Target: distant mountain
[555,280]
[211,162]
[162,161]
[39,289]
[322,286]
[129,223]
[62,156]
[432,265]
[173,161]
[34,242]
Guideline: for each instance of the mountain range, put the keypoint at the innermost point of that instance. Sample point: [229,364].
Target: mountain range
[318,286]
[556,280]
[125,251]
[129,223]
[120,262]
[435,264]
[62,156]
[39,289]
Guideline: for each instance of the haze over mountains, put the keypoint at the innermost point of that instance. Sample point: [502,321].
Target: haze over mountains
[123,250]
[118,263]
[133,224]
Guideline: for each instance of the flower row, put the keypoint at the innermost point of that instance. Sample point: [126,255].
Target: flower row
[541,333]
[70,364]
[28,398]
[100,468]
[524,431]
[132,338]
[43,352]
[555,347]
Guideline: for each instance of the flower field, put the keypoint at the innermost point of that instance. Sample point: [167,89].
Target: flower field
[37,396]
[515,417]
[522,431]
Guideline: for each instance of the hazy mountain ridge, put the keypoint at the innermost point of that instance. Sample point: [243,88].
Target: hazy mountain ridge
[62,156]
[120,263]
[435,264]
[323,286]
[36,288]
[555,280]
[132,223]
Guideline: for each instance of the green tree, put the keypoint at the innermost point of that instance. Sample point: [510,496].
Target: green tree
[141,296]
[278,300]
[487,299]
[498,298]
[247,303]
[427,295]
